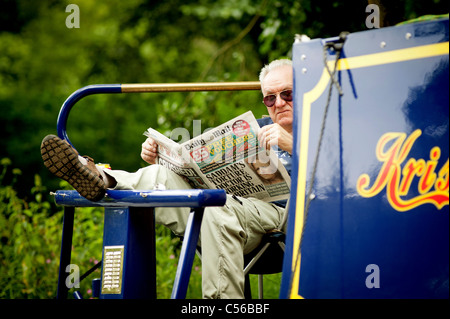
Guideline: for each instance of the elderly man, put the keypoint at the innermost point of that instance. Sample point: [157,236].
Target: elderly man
[228,232]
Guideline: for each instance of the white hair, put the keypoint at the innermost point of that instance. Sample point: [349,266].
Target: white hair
[273,65]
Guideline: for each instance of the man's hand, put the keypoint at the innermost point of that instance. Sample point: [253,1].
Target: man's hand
[149,151]
[274,134]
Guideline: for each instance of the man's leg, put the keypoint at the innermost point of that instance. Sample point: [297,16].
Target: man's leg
[152,177]
[227,234]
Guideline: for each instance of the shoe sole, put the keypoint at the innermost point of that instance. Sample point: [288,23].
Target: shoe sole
[62,161]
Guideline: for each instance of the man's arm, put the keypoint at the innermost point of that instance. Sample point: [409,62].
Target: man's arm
[275,135]
[149,151]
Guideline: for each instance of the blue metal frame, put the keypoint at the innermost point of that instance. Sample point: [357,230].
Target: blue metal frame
[154,198]
[129,221]
[130,205]
[187,254]
[132,228]
[66,251]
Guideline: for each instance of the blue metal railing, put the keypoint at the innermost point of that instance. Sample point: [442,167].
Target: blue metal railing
[154,198]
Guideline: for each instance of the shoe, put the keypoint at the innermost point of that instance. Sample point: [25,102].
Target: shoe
[62,160]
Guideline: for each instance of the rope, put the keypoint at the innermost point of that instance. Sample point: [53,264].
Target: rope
[333,82]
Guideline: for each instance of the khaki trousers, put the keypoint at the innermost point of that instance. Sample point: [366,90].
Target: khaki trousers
[227,233]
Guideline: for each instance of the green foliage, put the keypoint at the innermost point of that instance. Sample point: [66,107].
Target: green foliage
[30,241]
[168,249]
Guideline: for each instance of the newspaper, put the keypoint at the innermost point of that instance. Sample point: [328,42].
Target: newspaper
[227,157]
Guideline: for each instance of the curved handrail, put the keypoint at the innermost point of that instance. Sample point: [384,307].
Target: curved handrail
[143,88]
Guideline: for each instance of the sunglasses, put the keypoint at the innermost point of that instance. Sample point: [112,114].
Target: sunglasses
[270,100]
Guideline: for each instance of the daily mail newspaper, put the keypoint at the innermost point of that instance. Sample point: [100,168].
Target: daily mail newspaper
[227,157]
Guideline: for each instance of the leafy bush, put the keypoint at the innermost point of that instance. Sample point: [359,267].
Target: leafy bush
[30,237]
